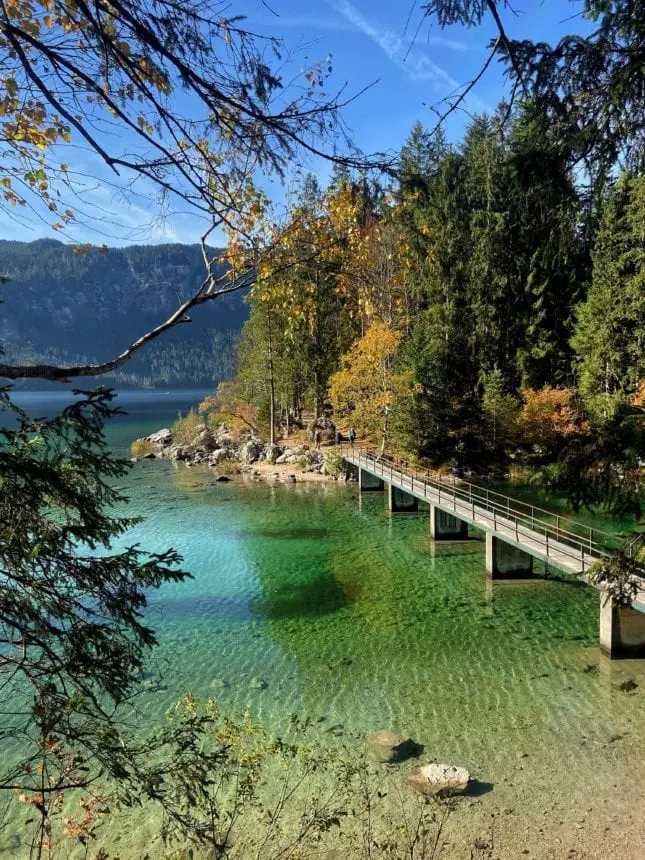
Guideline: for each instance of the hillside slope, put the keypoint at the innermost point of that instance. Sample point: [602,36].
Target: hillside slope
[65,307]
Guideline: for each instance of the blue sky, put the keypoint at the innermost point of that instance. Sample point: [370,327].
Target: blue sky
[411,68]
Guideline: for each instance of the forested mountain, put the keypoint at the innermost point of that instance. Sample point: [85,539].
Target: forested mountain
[65,307]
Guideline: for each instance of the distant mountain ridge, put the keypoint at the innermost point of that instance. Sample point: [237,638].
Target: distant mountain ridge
[65,307]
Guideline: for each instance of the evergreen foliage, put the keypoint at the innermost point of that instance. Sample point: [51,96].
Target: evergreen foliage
[609,337]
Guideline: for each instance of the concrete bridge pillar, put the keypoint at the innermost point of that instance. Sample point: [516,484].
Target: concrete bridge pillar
[445,526]
[368,483]
[400,502]
[504,560]
[622,629]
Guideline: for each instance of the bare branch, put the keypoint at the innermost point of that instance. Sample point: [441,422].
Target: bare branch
[180,315]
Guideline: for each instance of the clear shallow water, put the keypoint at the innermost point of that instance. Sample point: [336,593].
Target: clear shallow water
[312,601]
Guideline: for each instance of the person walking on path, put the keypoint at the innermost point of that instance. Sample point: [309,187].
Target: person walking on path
[352,436]
[318,439]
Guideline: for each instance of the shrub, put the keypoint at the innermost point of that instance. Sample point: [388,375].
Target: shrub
[141,447]
[333,462]
[187,427]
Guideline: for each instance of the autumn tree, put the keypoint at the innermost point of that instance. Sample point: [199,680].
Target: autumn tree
[368,389]
[229,406]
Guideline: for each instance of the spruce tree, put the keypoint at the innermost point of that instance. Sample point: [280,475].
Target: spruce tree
[609,338]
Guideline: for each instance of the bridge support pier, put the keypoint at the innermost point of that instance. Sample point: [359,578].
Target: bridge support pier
[445,526]
[400,502]
[506,561]
[368,483]
[622,629]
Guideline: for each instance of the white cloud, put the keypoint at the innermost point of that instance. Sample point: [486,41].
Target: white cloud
[414,62]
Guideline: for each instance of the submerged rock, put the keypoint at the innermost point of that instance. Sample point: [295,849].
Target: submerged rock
[388,747]
[628,686]
[439,779]
[222,479]
[258,684]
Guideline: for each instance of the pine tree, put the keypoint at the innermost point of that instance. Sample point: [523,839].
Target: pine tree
[609,338]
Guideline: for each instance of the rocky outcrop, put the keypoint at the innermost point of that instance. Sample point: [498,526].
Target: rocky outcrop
[439,779]
[162,438]
[391,748]
[250,451]
[206,440]
[214,446]
[218,456]
[272,452]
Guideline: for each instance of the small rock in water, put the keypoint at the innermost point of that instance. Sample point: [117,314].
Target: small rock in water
[220,684]
[149,456]
[628,686]
[439,779]
[390,748]
[222,479]
[291,479]
[258,684]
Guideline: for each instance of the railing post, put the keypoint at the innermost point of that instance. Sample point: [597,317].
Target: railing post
[557,527]
[547,544]
[494,520]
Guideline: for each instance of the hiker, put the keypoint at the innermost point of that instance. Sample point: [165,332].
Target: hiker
[352,436]
[318,439]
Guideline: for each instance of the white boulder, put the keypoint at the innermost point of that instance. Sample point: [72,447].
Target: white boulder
[439,779]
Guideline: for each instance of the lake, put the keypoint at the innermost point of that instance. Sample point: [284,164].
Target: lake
[308,599]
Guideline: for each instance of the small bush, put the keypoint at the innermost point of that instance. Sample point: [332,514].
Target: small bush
[187,427]
[333,462]
[141,447]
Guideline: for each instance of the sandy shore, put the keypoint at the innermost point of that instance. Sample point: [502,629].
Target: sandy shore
[281,473]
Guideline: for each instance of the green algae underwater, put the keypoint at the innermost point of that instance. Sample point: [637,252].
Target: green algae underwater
[309,600]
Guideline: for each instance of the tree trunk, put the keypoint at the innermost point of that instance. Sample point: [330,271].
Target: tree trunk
[271,381]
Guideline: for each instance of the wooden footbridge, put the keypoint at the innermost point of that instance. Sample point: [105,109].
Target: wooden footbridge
[516,533]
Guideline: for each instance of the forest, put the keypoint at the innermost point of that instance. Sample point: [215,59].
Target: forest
[486,309]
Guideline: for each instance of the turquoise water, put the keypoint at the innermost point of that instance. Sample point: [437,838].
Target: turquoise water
[308,599]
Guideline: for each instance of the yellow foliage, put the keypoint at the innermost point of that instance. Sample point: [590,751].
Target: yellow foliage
[187,427]
[141,447]
[367,388]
